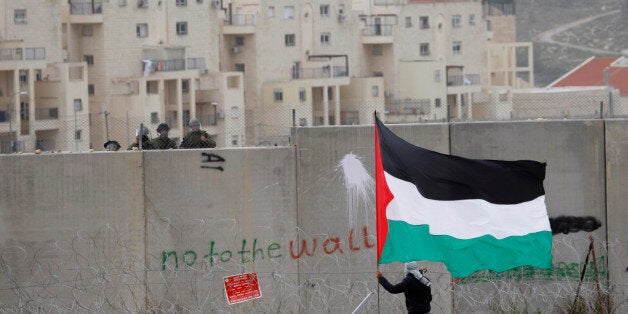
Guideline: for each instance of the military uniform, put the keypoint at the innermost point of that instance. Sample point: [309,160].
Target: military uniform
[146,144]
[193,140]
[164,143]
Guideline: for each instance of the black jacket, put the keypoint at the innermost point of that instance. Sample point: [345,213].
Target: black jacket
[418,295]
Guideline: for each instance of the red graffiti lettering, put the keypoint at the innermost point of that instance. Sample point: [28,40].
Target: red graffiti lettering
[303,249]
[336,242]
[365,233]
[351,247]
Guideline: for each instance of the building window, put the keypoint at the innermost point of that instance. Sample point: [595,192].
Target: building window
[278,94]
[239,41]
[185,86]
[437,102]
[24,111]
[154,117]
[78,104]
[374,90]
[471,19]
[290,40]
[456,21]
[270,12]
[239,67]
[141,30]
[182,28]
[234,140]
[302,121]
[424,49]
[182,3]
[89,59]
[324,9]
[378,73]
[90,89]
[87,30]
[325,39]
[408,21]
[302,94]
[19,16]
[437,76]
[377,50]
[424,22]
[77,135]
[457,47]
[23,77]
[235,112]
[288,12]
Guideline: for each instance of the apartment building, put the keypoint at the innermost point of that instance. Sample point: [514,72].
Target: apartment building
[154,61]
[43,100]
[251,69]
[321,63]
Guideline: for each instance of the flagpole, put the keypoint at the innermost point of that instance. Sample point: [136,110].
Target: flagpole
[376,224]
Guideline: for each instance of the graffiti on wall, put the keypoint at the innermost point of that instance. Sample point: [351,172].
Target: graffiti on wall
[251,251]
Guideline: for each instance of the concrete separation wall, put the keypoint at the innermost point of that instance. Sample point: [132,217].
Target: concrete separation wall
[159,230]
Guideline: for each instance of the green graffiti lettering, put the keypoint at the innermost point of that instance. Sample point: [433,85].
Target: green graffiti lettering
[226,253]
[185,259]
[273,247]
[164,259]
[211,253]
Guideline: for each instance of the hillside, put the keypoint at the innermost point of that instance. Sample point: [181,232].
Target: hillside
[552,60]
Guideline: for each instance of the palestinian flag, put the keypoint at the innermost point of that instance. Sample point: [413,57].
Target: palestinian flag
[470,214]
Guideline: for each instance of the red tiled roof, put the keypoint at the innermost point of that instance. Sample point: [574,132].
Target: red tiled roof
[592,74]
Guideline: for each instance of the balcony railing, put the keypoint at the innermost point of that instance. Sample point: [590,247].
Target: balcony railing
[8,54]
[86,8]
[165,65]
[46,113]
[322,72]
[196,63]
[460,80]
[240,20]
[409,107]
[378,30]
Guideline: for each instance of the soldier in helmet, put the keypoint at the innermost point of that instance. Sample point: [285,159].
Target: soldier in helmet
[163,141]
[197,138]
[144,133]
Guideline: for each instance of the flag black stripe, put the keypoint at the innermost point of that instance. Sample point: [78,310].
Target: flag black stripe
[446,177]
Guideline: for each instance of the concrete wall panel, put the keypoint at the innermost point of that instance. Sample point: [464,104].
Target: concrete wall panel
[574,186]
[71,232]
[616,191]
[242,214]
[336,204]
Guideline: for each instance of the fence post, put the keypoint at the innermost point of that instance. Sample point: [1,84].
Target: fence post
[107,124]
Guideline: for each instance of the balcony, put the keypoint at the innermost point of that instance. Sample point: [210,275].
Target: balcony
[9,54]
[149,66]
[377,34]
[239,24]
[85,12]
[463,83]
[196,64]
[46,113]
[320,72]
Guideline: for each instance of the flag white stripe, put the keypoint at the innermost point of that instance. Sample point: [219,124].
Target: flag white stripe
[465,219]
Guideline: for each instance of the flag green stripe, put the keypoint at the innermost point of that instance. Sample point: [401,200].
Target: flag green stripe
[406,242]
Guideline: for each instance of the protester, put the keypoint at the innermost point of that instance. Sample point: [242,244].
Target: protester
[197,138]
[163,141]
[415,287]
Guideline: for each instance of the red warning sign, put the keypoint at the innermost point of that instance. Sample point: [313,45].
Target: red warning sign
[240,288]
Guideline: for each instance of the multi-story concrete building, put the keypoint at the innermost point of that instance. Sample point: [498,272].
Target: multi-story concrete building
[251,69]
[151,62]
[43,100]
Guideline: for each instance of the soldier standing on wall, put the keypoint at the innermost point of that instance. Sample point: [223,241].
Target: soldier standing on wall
[197,138]
[144,133]
[163,141]
[415,287]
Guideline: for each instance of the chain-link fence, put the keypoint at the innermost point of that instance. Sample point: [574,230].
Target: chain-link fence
[52,131]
